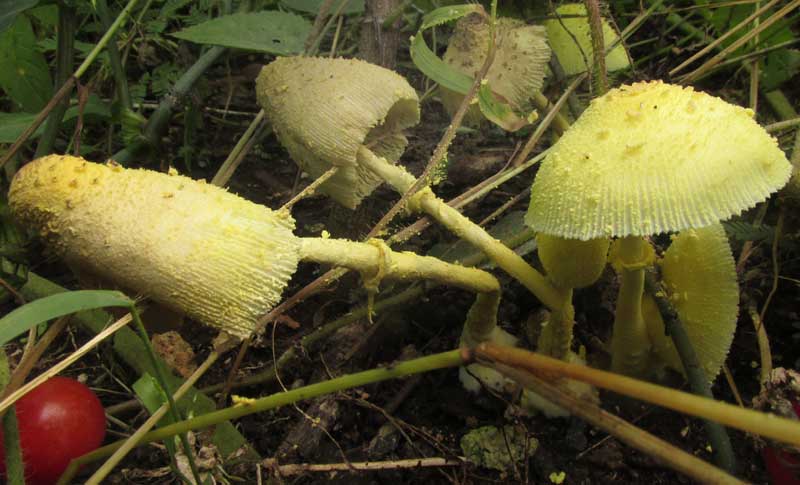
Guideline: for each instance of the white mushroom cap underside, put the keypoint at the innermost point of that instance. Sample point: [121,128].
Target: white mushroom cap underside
[651,158]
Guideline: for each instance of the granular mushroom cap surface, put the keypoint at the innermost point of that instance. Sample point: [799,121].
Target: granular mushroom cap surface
[650,158]
[193,247]
[323,110]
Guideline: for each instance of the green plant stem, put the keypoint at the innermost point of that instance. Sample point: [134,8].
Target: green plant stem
[599,74]
[123,450]
[425,201]
[698,381]
[453,358]
[160,118]
[748,420]
[162,381]
[227,168]
[65,54]
[121,80]
[630,345]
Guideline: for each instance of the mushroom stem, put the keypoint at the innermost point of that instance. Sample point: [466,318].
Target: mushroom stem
[556,337]
[426,201]
[630,345]
[375,261]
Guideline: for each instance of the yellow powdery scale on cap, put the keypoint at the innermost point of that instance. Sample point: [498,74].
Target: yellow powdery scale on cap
[323,110]
[519,66]
[571,40]
[193,247]
[651,158]
[700,277]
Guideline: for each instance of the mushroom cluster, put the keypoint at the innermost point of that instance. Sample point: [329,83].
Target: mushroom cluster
[647,159]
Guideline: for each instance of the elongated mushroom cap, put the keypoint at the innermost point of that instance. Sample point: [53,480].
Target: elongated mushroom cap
[193,247]
[324,109]
[699,274]
[571,40]
[651,158]
[571,263]
[519,65]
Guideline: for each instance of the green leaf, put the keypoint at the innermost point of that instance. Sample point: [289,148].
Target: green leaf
[271,32]
[745,231]
[152,396]
[313,6]
[48,308]
[9,9]
[493,109]
[13,124]
[24,74]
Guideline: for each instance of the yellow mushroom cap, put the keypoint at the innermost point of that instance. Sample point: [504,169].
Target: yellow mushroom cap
[699,274]
[651,158]
[571,41]
[571,263]
[519,66]
[193,247]
[323,110]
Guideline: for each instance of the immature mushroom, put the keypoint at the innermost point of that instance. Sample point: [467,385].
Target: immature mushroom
[281,104]
[647,159]
[699,274]
[519,65]
[571,40]
[323,110]
[197,248]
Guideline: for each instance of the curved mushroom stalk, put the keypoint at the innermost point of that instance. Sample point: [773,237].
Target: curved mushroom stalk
[519,65]
[699,275]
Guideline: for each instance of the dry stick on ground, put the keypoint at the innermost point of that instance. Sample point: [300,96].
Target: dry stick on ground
[288,470]
[630,434]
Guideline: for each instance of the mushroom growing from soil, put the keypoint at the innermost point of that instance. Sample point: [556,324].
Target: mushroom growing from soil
[646,159]
[571,40]
[199,249]
[519,65]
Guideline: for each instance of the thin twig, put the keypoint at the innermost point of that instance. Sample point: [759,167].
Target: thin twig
[297,469]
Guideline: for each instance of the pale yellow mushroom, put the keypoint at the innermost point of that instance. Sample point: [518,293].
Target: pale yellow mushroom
[645,159]
[519,65]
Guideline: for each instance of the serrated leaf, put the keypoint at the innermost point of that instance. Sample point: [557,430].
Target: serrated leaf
[24,74]
[431,65]
[271,32]
[50,307]
[313,6]
[9,9]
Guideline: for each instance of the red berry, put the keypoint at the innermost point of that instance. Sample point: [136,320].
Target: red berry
[59,420]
